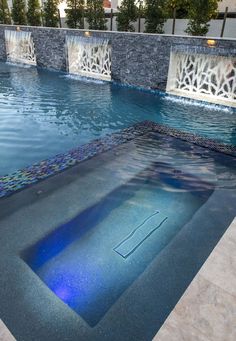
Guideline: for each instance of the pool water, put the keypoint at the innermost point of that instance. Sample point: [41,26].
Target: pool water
[143,240]
[115,240]
[43,113]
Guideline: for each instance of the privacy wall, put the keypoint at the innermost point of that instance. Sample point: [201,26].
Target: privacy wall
[137,59]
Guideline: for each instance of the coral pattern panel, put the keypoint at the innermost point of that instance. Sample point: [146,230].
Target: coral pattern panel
[89,57]
[20,47]
[202,76]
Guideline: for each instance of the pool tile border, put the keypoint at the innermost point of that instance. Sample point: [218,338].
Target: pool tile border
[21,179]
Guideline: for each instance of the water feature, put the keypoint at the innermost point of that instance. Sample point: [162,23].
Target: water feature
[20,47]
[203,76]
[89,57]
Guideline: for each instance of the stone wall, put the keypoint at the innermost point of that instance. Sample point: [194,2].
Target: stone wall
[137,59]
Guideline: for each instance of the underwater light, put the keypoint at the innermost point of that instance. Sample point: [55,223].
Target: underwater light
[18,28]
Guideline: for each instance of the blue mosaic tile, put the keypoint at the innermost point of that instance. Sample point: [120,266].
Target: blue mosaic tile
[20,179]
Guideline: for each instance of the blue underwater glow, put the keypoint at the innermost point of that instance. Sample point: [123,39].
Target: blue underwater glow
[78,260]
[194,187]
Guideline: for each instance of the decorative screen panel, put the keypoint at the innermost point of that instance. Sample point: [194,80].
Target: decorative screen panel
[90,57]
[20,47]
[203,76]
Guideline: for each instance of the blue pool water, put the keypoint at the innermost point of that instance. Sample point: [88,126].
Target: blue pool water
[144,240]
[43,113]
[83,271]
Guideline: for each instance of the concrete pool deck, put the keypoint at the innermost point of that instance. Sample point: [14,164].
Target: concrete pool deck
[207,309]
[31,214]
[5,334]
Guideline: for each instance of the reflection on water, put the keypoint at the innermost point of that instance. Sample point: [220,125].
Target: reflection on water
[44,113]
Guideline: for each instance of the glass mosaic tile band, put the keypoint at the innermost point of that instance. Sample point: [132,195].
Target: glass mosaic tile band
[42,170]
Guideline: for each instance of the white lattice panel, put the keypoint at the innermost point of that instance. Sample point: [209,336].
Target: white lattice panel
[202,76]
[89,57]
[20,47]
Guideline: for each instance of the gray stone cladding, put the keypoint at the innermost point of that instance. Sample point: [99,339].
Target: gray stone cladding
[137,59]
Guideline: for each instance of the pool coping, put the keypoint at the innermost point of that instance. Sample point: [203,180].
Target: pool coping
[5,334]
[39,171]
[206,308]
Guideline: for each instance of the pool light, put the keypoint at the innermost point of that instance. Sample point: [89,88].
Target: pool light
[87,34]
[211,42]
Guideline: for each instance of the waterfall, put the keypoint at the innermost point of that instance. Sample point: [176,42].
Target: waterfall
[20,47]
[205,77]
[89,57]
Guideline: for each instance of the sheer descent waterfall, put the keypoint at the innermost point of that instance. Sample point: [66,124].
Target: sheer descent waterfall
[203,76]
[89,57]
[20,47]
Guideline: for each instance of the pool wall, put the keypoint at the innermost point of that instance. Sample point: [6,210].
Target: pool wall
[137,59]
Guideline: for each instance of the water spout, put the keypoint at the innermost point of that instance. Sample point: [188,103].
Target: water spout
[20,47]
[201,76]
[89,57]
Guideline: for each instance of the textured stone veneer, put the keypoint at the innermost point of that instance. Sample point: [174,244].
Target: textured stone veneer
[42,170]
[137,59]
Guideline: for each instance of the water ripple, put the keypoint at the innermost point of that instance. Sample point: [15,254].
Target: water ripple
[43,113]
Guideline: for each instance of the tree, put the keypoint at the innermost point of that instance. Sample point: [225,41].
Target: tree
[128,13]
[34,13]
[50,13]
[19,12]
[75,13]
[200,13]
[181,6]
[95,15]
[155,16]
[5,16]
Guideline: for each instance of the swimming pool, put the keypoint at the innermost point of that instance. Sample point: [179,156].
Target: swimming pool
[44,113]
[109,246]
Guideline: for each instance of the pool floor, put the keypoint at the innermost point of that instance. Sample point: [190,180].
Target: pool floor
[90,261]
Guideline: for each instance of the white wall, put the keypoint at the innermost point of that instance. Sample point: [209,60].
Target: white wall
[181,25]
[222,4]
[227,3]
[214,30]
[114,3]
